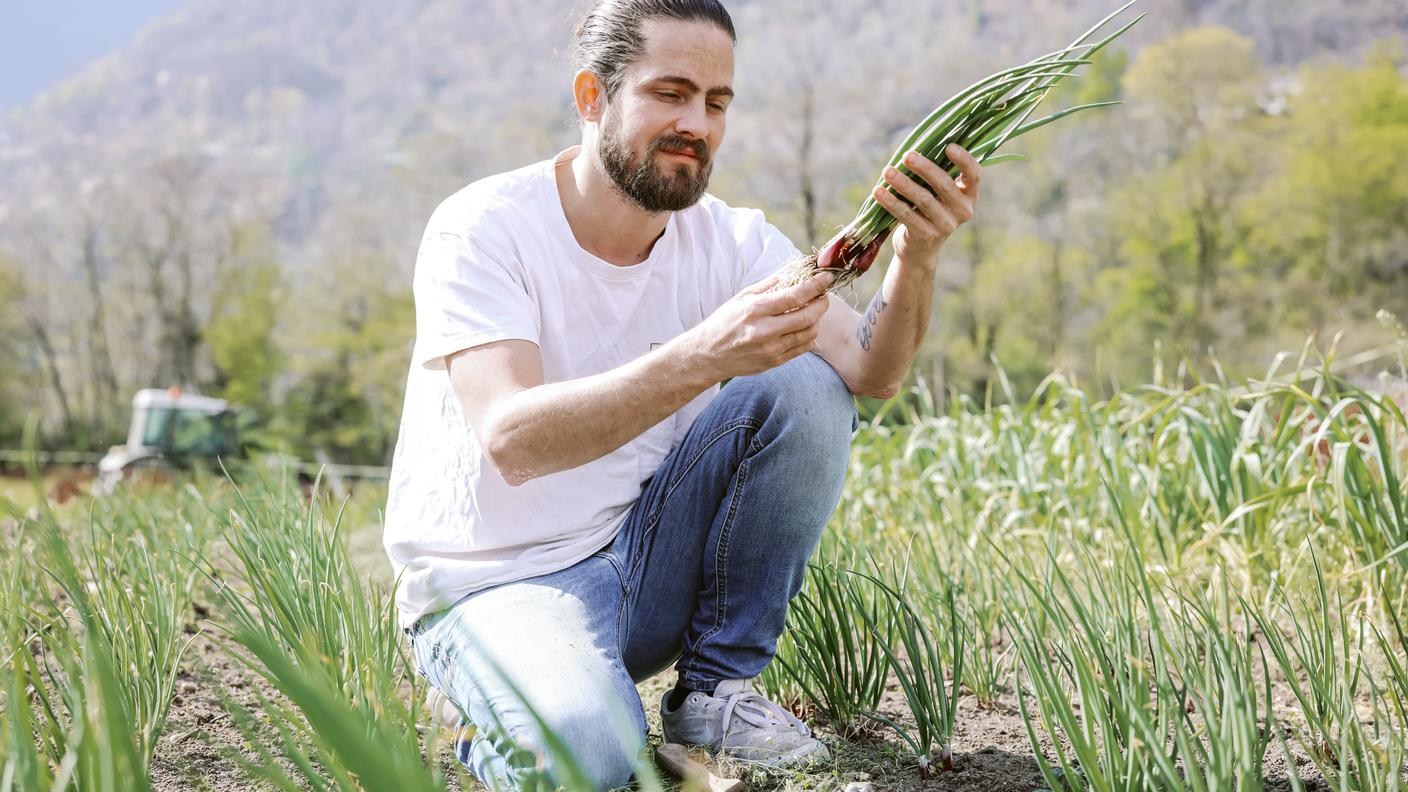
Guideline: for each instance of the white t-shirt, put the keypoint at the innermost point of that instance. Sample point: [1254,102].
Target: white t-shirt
[499,261]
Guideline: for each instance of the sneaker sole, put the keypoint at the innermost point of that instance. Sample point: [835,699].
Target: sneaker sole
[798,757]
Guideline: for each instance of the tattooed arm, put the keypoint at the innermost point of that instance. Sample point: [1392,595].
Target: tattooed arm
[872,352]
[883,343]
[867,322]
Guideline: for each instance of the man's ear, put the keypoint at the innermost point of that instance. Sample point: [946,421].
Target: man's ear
[590,95]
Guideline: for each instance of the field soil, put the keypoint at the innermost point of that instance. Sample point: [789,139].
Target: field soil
[201,740]
[202,746]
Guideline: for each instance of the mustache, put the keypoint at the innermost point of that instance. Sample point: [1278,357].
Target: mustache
[698,148]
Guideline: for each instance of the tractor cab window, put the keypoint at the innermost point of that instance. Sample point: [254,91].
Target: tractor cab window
[199,434]
[157,430]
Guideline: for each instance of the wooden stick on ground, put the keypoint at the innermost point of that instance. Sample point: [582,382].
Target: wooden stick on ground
[676,761]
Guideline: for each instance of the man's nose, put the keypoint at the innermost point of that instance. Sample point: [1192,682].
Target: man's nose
[693,122]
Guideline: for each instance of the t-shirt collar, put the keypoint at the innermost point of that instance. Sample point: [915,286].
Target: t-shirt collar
[593,264]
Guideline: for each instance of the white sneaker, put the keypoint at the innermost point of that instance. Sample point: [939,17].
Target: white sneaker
[742,724]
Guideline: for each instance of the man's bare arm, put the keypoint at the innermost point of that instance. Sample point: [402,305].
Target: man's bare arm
[873,352]
[530,429]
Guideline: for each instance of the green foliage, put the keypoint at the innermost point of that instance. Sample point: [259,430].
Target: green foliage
[351,370]
[1144,560]
[1134,552]
[94,622]
[242,338]
[1328,224]
[929,646]
[1231,207]
[329,641]
[1195,83]
[295,586]
[331,742]
[16,390]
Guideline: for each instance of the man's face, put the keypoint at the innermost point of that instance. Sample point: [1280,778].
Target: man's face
[659,133]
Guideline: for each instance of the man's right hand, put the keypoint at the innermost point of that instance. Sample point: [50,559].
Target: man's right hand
[757,330]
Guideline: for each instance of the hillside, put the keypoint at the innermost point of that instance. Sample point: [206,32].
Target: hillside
[233,202]
[335,99]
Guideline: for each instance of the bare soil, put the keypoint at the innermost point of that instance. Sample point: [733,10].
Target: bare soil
[991,750]
[198,749]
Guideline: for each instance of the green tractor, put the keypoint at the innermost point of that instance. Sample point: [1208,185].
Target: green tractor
[171,430]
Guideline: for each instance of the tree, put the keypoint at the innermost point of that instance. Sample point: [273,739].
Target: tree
[15,382]
[1332,223]
[1193,104]
[241,332]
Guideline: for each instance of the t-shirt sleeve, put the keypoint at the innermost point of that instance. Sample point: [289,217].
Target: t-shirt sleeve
[465,296]
[763,250]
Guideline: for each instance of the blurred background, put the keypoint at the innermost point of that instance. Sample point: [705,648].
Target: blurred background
[228,197]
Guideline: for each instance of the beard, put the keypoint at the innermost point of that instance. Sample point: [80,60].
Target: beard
[645,183]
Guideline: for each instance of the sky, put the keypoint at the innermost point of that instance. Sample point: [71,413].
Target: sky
[43,42]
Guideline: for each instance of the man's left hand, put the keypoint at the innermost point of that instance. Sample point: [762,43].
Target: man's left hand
[930,218]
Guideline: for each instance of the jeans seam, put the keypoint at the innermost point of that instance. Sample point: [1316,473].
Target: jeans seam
[620,611]
[625,585]
[654,519]
[720,567]
[739,423]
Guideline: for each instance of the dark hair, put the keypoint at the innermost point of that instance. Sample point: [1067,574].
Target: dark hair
[609,37]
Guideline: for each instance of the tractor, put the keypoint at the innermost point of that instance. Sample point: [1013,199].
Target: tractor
[171,430]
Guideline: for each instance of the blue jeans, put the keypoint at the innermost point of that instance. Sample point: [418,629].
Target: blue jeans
[701,571]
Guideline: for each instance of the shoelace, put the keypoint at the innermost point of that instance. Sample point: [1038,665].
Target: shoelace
[758,712]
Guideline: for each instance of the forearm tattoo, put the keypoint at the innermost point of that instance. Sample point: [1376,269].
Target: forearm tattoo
[867,322]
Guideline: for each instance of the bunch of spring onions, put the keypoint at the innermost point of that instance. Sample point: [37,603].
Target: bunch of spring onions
[980,119]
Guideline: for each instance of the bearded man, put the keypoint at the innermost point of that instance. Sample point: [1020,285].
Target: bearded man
[575,503]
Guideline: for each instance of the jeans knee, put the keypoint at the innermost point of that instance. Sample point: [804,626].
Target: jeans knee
[575,750]
[815,408]
[602,748]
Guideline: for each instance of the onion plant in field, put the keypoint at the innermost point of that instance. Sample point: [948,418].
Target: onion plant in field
[1360,447]
[360,748]
[133,590]
[1351,724]
[1321,660]
[1094,678]
[295,583]
[1182,705]
[931,569]
[324,740]
[95,632]
[835,660]
[1229,717]
[72,735]
[988,664]
[1393,647]
[917,655]
[327,639]
[1216,489]
[295,588]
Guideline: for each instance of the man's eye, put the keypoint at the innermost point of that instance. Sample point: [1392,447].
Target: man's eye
[671,95]
[717,107]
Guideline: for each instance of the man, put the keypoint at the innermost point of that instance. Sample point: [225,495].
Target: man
[575,503]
